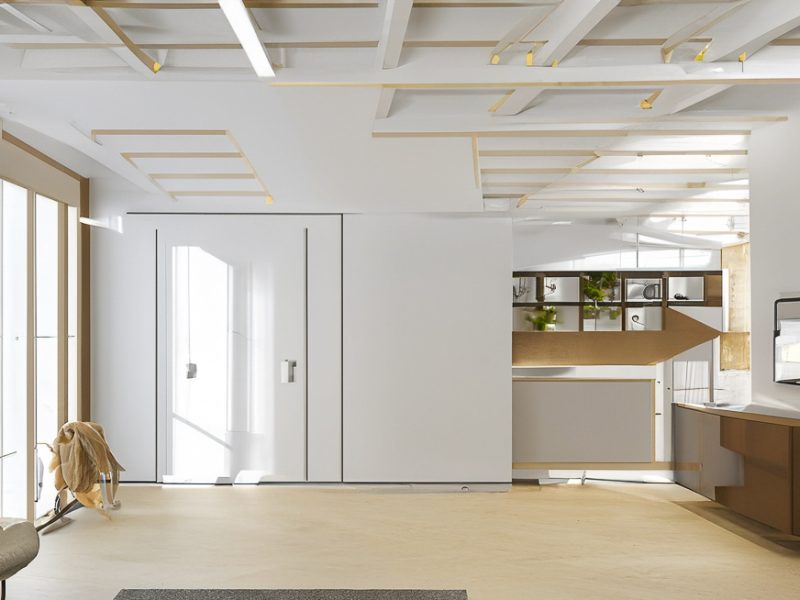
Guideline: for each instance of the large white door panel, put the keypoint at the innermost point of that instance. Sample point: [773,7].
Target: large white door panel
[130,365]
[427,349]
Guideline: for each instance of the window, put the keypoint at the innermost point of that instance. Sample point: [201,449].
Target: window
[39,352]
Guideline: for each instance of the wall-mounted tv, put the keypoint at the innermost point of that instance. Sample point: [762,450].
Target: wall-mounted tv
[786,349]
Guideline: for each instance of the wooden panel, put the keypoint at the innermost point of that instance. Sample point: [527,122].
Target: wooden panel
[63,350]
[27,167]
[736,259]
[734,351]
[713,290]
[611,347]
[796,480]
[766,495]
[84,324]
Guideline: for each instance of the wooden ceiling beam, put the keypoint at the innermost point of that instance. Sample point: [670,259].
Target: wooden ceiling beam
[571,133]
[611,171]
[602,152]
[99,21]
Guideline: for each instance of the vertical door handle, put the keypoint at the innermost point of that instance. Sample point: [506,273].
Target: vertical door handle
[287,371]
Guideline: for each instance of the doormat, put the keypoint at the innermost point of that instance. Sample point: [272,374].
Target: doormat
[291,595]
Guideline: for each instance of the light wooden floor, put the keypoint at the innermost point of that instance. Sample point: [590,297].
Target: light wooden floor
[597,541]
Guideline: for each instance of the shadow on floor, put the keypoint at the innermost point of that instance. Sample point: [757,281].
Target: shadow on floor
[748,529]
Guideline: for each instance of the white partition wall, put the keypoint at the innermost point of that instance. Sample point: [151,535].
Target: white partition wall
[427,349]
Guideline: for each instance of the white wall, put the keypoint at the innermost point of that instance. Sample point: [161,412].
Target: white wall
[427,349]
[598,245]
[775,270]
[123,342]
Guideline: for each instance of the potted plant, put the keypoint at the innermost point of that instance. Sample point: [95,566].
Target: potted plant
[543,319]
[600,287]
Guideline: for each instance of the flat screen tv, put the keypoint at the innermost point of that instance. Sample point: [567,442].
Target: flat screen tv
[786,349]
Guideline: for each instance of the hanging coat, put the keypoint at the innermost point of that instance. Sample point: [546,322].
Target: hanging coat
[82,463]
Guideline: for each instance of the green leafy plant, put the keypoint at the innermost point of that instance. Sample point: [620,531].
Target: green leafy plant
[540,319]
[600,287]
[614,313]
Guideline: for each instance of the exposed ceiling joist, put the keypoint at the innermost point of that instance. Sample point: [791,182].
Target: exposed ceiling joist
[395,24]
[572,22]
[416,77]
[602,152]
[99,21]
[571,133]
[617,186]
[612,199]
[698,26]
[22,17]
[390,46]
[753,27]
[750,28]
[676,99]
[611,171]
[518,32]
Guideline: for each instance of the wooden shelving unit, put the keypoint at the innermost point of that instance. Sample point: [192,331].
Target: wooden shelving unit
[670,282]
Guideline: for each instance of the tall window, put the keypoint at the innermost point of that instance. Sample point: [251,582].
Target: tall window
[14,360]
[38,362]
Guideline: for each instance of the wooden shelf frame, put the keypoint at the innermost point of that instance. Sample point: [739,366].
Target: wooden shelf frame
[712,292]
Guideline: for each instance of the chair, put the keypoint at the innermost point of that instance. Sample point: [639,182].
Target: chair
[19,545]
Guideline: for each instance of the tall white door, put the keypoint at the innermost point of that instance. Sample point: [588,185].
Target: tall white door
[233,319]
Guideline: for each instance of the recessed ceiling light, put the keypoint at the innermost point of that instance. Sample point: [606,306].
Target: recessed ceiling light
[562,222]
[242,26]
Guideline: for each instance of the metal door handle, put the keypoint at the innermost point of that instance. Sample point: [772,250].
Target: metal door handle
[287,371]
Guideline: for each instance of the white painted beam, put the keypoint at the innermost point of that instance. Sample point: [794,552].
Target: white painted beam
[390,46]
[698,26]
[416,76]
[520,30]
[21,16]
[753,27]
[384,104]
[395,23]
[572,21]
[748,27]
[676,99]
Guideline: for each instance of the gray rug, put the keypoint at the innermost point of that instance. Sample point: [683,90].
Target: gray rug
[292,595]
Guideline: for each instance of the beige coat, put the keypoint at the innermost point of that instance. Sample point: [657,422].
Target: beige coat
[82,461]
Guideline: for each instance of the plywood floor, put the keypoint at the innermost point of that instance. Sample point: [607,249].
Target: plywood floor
[596,541]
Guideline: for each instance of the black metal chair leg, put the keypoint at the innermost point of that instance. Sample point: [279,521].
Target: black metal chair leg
[3,590]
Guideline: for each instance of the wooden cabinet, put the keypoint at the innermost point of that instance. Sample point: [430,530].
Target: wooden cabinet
[768,450]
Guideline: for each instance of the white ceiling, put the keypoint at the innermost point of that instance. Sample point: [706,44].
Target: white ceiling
[334,131]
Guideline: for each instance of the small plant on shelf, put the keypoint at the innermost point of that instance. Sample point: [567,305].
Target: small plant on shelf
[600,287]
[543,319]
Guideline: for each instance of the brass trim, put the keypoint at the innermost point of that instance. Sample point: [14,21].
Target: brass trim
[137,155]
[555,133]
[582,171]
[587,152]
[476,167]
[598,466]
[203,175]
